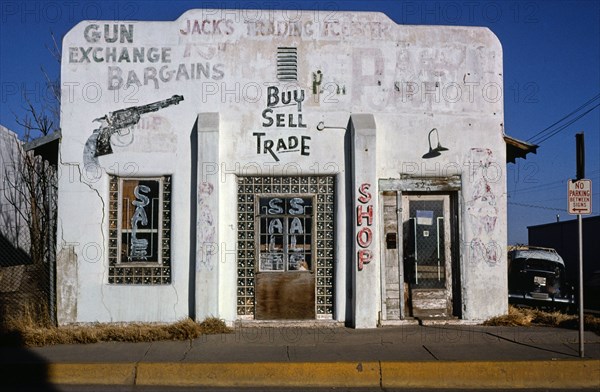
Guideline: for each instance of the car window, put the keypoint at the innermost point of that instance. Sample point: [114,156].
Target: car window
[537,264]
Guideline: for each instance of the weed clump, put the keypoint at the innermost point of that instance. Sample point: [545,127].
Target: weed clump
[34,333]
[526,317]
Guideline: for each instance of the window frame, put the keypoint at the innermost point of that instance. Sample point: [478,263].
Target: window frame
[154,272]
[158,229]
[284,216]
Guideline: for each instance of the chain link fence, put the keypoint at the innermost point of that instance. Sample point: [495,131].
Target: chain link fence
[27,235]
[25,286]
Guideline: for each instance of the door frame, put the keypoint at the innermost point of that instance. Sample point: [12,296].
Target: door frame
[423,185]
[324,188]
[447,228]
[289,277]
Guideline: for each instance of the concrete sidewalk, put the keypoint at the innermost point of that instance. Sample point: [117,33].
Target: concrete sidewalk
[412,356]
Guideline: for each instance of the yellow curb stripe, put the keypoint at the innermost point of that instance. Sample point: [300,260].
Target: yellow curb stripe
[480,374]
[264,374]
[510,374]
[92,373]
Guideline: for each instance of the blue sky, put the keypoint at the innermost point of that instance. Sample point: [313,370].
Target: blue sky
[551,67]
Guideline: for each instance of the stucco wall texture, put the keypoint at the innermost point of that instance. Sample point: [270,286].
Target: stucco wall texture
[247,111]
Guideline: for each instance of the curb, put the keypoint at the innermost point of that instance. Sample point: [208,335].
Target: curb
[468,374]
[92,373]
[494,375]
[264,374]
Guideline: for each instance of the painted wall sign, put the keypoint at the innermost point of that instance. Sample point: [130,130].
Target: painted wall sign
[154,74]
[99,144]
[364,221]
[272,118]
[139,246]
[285,233]
[330,28]
[281,28]
[208,27]
[279,99]
[140,226]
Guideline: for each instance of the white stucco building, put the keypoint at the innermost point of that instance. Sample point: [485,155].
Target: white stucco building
[294,165]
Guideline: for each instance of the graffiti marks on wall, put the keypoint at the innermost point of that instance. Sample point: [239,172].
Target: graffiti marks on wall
[205,228]
[330,89]
[317,79]
[364,223]
[483,208]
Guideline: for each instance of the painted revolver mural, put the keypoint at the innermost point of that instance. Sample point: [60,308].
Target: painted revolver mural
[115,122]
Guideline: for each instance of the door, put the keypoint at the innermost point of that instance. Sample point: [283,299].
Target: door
[285,279]
[393,282]
[427,258]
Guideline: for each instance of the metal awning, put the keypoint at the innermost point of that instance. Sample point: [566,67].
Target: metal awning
[516,148]
[46,147]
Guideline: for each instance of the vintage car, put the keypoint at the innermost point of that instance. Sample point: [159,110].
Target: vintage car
[536,277]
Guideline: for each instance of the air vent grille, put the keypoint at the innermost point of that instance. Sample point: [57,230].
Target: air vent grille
[287,64]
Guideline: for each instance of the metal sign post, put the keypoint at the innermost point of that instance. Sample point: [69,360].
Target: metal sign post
[581,319]
[579,195]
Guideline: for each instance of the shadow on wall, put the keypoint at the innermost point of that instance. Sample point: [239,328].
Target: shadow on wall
[193,217]
[349,228]
[21,369]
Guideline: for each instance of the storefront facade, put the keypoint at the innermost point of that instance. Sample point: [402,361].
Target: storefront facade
[281,165]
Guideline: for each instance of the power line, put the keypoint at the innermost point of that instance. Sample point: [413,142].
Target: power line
[563,118]
[534,206]
[562,128]
[549,185]
[554,199]
[544,185]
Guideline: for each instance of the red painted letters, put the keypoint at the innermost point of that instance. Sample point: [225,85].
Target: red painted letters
[360,214]
[365,195]
[364,237]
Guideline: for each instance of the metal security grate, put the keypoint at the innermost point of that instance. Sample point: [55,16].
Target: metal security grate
[427,245]
[287,64]
[124,269]
[249,190]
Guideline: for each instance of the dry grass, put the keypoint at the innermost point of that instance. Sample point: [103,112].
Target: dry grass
[526,317]
[33,332]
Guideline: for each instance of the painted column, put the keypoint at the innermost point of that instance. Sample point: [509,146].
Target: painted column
[66,282]
[365,258]
[207,214]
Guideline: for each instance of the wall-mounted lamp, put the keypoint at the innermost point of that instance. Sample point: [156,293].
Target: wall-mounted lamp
[434,152]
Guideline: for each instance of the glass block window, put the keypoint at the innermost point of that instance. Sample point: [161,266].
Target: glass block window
[139,230]
[285,224]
